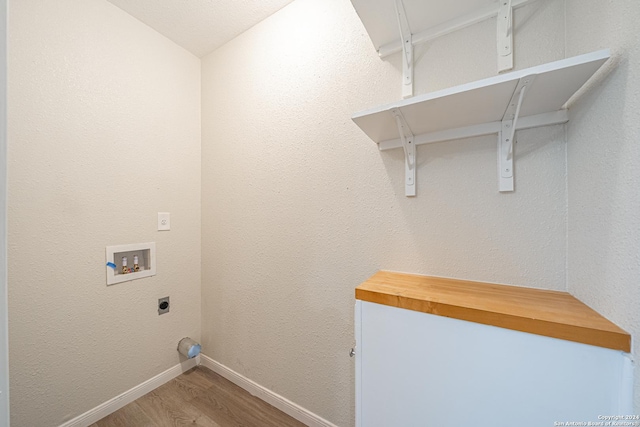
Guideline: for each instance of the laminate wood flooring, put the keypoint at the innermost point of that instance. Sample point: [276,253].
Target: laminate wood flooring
[198,398]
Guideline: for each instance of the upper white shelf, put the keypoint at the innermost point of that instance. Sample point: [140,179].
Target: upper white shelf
[426,19]
[478,108]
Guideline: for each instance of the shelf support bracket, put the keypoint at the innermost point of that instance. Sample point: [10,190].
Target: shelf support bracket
[506,136]
[505,36]
[409,146]
[407,50]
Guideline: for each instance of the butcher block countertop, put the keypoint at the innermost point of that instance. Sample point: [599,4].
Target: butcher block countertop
[550,313]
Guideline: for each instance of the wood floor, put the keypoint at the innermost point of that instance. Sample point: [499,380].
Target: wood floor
[199,397]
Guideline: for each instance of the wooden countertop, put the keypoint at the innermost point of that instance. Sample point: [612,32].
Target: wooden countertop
[549,313]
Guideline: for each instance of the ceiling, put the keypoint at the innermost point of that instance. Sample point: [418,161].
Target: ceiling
[200,26]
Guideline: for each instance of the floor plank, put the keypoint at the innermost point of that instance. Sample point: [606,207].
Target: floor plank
[127,416]
[198,398]
[168,406]
[230,405]
[192,382]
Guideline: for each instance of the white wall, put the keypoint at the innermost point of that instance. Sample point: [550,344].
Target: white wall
[4,318]
[104,132]
[604,169]
[299,206]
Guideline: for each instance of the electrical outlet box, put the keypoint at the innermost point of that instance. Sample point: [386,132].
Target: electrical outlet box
[118,273]
[163,305]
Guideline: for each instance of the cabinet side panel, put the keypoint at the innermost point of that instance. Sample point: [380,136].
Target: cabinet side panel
[358,335]
[425,370]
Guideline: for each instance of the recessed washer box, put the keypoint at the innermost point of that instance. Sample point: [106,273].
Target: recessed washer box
[146,253]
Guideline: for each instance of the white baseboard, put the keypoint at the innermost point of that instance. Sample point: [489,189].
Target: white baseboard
[285,405]
[129,396]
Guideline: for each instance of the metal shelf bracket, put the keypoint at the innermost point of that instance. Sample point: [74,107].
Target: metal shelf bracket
[505,36]
[506,136]
[409,146]
[407,50]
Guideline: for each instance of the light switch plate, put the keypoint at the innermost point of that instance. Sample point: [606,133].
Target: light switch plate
[164,221]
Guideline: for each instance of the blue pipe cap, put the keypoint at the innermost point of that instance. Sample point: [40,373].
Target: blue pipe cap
[194,351]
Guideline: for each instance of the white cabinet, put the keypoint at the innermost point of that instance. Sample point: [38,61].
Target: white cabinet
[415,369]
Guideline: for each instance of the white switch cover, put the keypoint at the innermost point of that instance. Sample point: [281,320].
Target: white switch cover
[164,221]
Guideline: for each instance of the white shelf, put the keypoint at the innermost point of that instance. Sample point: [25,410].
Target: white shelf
[485,106]
[427,19]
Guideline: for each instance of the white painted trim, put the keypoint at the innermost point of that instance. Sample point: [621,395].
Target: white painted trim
[4,317]
[285,405]
[130,395]
[625,406]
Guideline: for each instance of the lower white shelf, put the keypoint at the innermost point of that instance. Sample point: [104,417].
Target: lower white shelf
[502,105]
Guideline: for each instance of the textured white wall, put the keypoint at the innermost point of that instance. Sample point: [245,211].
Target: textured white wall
[604,169]
[104,132]
[299,206]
